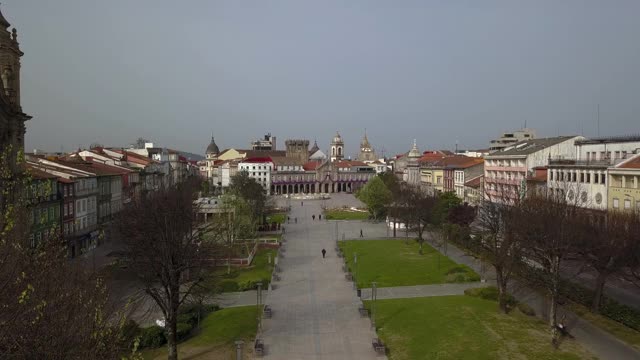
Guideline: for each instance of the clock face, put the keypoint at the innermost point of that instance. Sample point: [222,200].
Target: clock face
[598,198]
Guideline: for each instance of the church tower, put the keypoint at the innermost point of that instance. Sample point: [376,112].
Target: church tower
[366,151]
[12,118]
[413,165]
[211,155]
[337,148]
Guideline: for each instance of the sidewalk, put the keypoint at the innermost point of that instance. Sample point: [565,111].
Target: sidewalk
[601,343]
[400,292]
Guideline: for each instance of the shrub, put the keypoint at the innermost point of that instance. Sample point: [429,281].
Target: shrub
[152,337]
[456,270]
[228,286]
[459,278]
[489,293]
[130,331]
[183,330]
[526,309]
[473,277]
[189,318]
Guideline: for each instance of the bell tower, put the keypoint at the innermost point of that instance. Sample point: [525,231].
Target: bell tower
[337,148]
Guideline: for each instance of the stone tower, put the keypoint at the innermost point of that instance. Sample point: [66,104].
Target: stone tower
[413,165]
[337,148]
[297,149]
[12,118]
[366,151]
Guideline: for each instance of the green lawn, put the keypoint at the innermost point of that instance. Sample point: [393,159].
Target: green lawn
[464,327]
[244,278]
[398,263]
[277,218]
[346,215]
[216,336]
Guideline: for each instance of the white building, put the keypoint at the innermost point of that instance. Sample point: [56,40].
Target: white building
[616,148]
[258,169]
[510,138]
[581,182]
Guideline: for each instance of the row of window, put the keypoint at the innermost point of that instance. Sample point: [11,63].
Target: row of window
[508,175]
[505,163]
[581,177]
[83,223]
[625,181]
[88,204]
[606,155]
[628,204]
[37,237]
[41,215]
[86,184]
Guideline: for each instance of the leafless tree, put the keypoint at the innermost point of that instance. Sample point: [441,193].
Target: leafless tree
[162,234]
[418,209]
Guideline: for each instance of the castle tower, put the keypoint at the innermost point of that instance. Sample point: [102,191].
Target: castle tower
[297,149]
[12,118]
[337,148]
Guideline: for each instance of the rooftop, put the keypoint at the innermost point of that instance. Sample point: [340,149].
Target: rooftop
[633,163]
[527,147]
[609,139]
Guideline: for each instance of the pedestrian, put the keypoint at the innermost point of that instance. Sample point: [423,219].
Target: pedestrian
[296,220]
[283,230]
[361,233]
[324,252]
[313,217]
[301,203]
[320,217]
[288,219]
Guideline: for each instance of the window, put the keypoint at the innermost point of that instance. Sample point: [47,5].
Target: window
[616,203]
[581,177]
[602,179]
[596,178]
[71,208]
[51,213]
[627,204]
[588,177]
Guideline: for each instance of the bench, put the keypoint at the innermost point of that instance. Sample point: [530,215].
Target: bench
[348,276]
[258,347]
[378,346]
[267,312]
[363,311]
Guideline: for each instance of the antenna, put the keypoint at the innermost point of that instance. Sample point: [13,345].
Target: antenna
[598,120]
[525,123]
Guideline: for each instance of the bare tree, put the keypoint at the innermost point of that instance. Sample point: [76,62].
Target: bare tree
[139,144]
[607,243]
[162,235]
[418,209]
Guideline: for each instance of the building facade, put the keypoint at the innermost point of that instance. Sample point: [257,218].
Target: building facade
[367,154]
[258,169]
[624,185]
[510,138]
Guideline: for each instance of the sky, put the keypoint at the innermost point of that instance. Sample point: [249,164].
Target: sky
[440,72]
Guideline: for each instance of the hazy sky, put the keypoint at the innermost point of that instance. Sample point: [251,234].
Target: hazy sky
[438,71]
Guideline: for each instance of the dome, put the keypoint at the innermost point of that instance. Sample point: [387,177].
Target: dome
[337,139]
[212,148]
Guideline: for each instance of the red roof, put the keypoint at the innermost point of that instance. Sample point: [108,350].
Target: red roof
[475,182]
[311,165]
[265,159]
[460,161]
[633,163]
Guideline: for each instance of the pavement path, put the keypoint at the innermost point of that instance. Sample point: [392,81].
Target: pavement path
[315,310]
[400,292]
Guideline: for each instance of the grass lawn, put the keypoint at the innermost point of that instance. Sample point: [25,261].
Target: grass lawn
[624,333]
[279,218]
[397,263]
[215,339]
[243,278]
[346,215]
[464,327]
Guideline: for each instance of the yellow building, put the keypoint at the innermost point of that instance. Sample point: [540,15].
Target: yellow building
[624,185]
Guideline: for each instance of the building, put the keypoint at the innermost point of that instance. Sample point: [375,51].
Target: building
[474,190]
[266,144]
[506,171]
[510,138]
[458,170]
[297,149]
[12,119]
[366,150]
[45,204]
[211,157]
[614,148]
[337,148]
[580,182]
[624,185]
[258,169]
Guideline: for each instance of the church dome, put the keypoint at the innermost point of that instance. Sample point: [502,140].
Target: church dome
[212,148]
[337,139]
[414,153]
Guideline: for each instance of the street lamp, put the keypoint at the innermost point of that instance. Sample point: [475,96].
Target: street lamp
[374,296]
[258,305]
[239,344]
[355,270]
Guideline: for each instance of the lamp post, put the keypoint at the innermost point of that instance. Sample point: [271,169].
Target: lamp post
[258,305]
[355,270]
[374,296]
[239,344]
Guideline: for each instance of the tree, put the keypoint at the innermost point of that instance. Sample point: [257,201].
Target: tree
[376,196]
[164,246]
[419,210]
[446,202]
[546,226]
[50,308]
[234,222]
[607,243]
[246,187]
[498,243]
[139,144]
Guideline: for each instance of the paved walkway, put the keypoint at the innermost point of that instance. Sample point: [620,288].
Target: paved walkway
[315,310]
[601,343]
[400,292]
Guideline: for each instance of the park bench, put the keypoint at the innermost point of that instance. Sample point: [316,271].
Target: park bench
[348,276]
[363,311]
[267,312]
[378,346]
[258,348]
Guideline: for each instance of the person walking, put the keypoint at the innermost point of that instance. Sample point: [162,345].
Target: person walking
[320,217]
[313,217]
[324,252]
[288,219]
[296,220]
[301,203]
[361,233]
